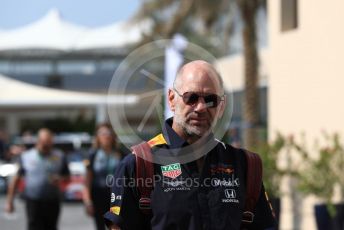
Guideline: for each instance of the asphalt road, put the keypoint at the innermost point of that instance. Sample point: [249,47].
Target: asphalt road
[73,217]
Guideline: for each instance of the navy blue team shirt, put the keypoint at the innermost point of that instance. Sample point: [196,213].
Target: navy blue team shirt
[183,197]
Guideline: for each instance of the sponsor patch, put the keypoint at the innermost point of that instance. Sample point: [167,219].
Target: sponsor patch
[115,210]
[226,170]
[230,182]
[158,140]
[231,196]
[171,171]
[173,189]
[54,158]
[174,183]
[114,197]
[230,193]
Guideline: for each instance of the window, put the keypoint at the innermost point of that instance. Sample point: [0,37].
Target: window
[4,67]
[28,67]
[288,15]
[76,66]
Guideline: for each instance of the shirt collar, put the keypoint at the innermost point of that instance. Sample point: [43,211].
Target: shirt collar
[171,137]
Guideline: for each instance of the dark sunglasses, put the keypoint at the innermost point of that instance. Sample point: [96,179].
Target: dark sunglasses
[191,98]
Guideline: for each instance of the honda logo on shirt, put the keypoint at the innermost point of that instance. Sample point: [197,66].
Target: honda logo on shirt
[230,193]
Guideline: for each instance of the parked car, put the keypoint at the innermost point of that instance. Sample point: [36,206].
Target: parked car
[74,189]
[7,170]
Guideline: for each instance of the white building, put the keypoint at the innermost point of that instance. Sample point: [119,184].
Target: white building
[56,53]
[303,71]
[306,70]
[52,68]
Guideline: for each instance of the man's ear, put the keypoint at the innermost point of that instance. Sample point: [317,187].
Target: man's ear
[171,99]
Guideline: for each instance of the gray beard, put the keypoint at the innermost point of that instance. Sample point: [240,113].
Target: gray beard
[188,131]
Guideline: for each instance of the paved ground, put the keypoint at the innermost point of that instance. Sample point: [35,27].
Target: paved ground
[73,217]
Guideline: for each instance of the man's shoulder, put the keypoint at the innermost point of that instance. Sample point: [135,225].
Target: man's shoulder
[154,143]
[224,147]
[232,152]
[58,153]
[29,153]
[128,162]
[243,154]
[128,159]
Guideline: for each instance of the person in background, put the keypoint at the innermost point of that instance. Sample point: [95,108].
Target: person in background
[103,160]
[43,168]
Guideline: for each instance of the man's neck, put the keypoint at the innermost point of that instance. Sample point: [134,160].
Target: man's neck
[192,139]
[43,151]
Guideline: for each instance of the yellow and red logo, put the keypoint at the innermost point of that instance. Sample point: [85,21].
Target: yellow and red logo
[115,210]
[158,140]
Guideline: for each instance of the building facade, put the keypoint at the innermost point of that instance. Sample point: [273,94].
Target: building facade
[305,82]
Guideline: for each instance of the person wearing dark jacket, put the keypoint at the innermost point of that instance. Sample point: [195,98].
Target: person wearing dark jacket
[199,181]
[103,160]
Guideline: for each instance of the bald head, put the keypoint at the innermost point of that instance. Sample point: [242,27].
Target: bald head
[197,81]
[198,68]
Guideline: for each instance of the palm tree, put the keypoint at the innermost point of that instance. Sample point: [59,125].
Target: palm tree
[198,20]
[248,9]
[172,16]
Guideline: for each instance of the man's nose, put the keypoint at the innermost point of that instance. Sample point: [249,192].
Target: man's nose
[200,105]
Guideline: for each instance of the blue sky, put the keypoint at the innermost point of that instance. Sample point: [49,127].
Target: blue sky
[16,13]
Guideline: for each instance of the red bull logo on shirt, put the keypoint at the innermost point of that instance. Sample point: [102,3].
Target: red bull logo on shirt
[171,171]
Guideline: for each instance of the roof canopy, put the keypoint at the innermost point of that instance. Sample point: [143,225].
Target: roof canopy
[20,94]
[53,33]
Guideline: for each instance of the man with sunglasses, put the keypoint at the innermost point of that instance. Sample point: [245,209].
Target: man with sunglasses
[199,182]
